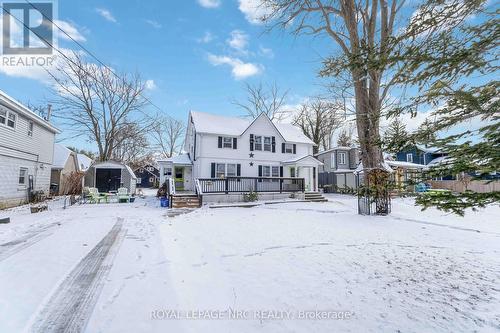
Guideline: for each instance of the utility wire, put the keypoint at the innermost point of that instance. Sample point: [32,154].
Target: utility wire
[79,44]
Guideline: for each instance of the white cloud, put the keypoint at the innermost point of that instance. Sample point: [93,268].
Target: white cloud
[70,29]
[209,3]
[106,14]
[253,10]
[207,38]
[238,41]
[154,24]
[240,70]
[150,85]
[266,52]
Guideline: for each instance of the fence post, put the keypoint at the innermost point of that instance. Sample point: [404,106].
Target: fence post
[227,185]
[256,181]
[281,185]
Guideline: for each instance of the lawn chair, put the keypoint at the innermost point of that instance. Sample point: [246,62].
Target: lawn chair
[123,195]
[95,196]
[421,188]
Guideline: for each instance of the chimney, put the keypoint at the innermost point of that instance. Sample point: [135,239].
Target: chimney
[49,112]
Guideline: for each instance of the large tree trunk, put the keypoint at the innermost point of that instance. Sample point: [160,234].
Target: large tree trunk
[368,119]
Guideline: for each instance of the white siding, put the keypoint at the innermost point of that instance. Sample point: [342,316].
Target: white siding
[207,151]
[17,150]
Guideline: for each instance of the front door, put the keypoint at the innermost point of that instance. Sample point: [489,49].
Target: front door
[179,178]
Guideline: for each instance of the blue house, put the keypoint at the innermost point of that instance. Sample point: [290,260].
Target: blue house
[147,176]
[419,155]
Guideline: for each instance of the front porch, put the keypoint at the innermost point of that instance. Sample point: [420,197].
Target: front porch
[180,169]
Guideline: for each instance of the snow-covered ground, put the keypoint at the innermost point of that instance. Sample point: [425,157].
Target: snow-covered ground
[131,268]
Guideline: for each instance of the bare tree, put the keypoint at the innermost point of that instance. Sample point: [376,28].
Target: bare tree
[167,135]
[132,145]
[363,31]
[95,103]
[318,119]
[269,100]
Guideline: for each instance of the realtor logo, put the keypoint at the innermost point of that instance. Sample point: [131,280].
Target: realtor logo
[27,28]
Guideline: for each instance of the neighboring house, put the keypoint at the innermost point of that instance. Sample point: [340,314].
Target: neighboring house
[109,176]
[339,164]
[26,152]
[218,147]
[66,162]
[147,176]
[419,154]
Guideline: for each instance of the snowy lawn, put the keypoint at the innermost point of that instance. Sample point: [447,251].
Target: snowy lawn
[413,271]
[131,268]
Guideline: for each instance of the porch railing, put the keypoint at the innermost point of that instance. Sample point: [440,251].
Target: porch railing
[251,184]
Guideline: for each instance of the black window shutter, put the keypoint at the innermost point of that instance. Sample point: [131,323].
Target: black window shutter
[294,148]
[238,170]
[251,142]
[220,141]
[281,171]
[212,173]
[260,170]
[273,142]
[235,143]
[283,147]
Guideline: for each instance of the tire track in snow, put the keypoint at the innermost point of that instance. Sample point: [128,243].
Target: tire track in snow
[8,249]
[71,305]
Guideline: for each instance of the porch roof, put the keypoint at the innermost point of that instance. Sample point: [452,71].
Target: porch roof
[182,159]
[306,160]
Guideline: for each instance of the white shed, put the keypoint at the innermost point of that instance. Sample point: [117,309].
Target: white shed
[108,176]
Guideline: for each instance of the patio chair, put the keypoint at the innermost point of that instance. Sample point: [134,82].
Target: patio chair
[123,194]
[95,196]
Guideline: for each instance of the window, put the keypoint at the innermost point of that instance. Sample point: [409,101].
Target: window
[275,171]
[168,172]
[3,117]
[220,171]
[139,181]
[288,148]
[267,143]
[258,142]
[266,171]
[30,128]
[409,158]
[23,173]
[292,172]
[8,118]
[227,142]
[333,160]
[342,158]
[11,120]
[231,170]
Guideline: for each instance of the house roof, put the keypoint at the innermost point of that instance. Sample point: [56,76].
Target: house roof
[84,162]
[306,159]
[234,126]
[385,166]
[182,159]
[404,164]
[61,155]
[335,148]
[431,150]
[20,108]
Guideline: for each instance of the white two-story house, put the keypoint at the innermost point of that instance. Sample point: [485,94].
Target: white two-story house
[218,147]
[26,152]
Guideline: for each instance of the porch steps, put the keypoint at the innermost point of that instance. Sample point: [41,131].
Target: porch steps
[186,201]
[314,197]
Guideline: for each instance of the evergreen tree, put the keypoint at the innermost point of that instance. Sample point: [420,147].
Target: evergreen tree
[395,137]
[457,74]
[345,138]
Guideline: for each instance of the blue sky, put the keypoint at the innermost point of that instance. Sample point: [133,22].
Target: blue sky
[195,54]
